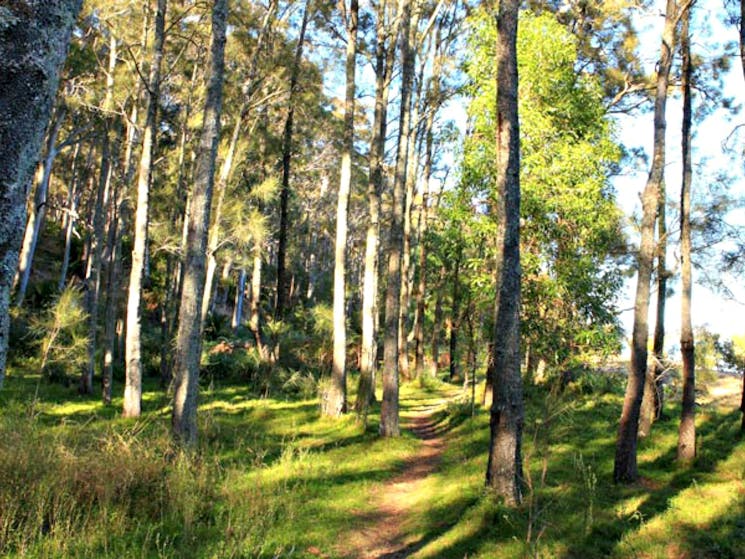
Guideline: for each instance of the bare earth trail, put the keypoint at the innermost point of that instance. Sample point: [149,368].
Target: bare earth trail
[383,534]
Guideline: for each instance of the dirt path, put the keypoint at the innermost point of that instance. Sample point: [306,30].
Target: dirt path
[384,534]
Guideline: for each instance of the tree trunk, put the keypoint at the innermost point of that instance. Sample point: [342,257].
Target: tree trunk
[33,46]
[389,424]
[687,430]
[284,197]
[437,323]
[652,399]
[103,196]
[240,293]
[71,211]
[38,210]
[433,103]
[384,56]
[255,320]
[112,295]
[133,358]
[625,466]
[189,336]
[455,317]
[335,401]
[504,470]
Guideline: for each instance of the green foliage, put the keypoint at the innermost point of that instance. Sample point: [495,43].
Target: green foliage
[571,232]
[62,334]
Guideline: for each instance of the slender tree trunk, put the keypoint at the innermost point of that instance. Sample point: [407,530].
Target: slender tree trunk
[504,470]
[368,364]
[455,317]
[112,296]
[38,210]
[133,358]
[433,104]
[70,216]
[33,45]
[437,323]
[625,466]
[189,337]
[652,398]
[335,402]
[239,296]
[389,424]
[103,195]
[284,197]
[255,319]
[687,430]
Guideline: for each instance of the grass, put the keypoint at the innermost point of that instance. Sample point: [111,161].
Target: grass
[273,479]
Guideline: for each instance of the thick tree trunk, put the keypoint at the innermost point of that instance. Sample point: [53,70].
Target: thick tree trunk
[625,465]
[38,210]
[687,430]
[384,56]
[133,358]
[389,424]
[335,401]
[504,470]
[284,196]
[33,45]
[189,337]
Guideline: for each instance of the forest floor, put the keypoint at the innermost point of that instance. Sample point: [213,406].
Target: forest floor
[384,535]
[273,479]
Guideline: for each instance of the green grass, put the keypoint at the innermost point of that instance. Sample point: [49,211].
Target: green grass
[273,479]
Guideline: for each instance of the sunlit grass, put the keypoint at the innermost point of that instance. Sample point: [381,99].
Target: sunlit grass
[271,478]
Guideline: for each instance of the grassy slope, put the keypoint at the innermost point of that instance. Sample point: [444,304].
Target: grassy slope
[271,479]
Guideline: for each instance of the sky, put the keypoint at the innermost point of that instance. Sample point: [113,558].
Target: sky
[716,312]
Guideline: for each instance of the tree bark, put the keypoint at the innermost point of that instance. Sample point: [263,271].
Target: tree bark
[335,401]
[625,466]
[38,210]
[240,293]
[652,399]
[687,430]
[33,45]
[103,196]
[504,469]
[389,424]
[284,196]
[133,357]
[189,337]
[384,57]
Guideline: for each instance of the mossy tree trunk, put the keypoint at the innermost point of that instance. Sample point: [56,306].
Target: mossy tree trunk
[34,36]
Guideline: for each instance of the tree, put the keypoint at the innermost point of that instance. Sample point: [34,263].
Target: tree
[687,430]
[336,399]
[34,37]
[133,358]
[385,40]
[389,425]
[504,469]
[279,307]
[625,466]
[189,337]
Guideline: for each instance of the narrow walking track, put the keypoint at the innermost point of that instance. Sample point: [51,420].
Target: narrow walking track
[384,534]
